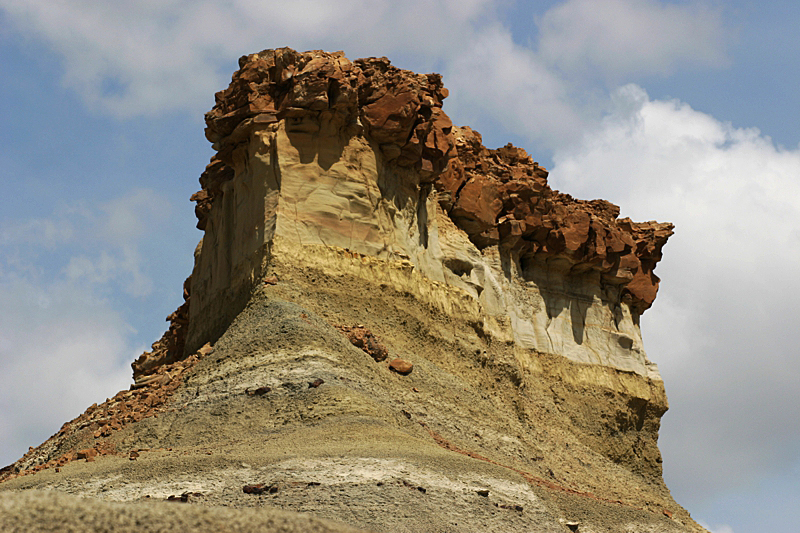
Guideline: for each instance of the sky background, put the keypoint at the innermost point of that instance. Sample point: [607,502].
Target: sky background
[677,111]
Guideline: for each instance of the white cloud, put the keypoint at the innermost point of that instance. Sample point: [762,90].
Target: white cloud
[721,327]
[142,58]
[89,245]
[618,38]
[47,232]
[148,57]
[63,344]
[124,266]
[61,350]
[496,81]
[132,216]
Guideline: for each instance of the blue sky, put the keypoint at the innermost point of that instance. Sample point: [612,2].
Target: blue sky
[678,111]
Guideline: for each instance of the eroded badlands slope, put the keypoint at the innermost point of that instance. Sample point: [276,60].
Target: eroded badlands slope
[342,201]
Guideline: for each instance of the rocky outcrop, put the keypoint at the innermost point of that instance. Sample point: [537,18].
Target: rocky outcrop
[399,315]
[320,151]
[400,110]
[501,197]
[497,197]
[318,103]
[170,347]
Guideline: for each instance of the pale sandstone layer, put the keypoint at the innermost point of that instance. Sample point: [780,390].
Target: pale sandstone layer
[316,151]
[345,187]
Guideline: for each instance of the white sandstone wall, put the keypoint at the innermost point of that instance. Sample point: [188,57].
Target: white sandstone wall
[311,188]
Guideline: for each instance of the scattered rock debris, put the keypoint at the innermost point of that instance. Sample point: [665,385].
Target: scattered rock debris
[89,454]
[316,383]
[257,488]
[411,486]
[257,392]
[183,498]
[573,526]
[484,493]
[271,280]
[207,349]
[401,366]
[274,488]
[363,338]
[509,506]
[171,346]
[261,488]
[144,400]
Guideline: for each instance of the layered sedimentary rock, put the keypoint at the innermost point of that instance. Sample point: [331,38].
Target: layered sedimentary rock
[316,151]
[420,320]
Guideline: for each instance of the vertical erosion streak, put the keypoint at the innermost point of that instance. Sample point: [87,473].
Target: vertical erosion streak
[422,215]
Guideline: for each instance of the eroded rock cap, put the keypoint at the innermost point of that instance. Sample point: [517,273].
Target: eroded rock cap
[498,197]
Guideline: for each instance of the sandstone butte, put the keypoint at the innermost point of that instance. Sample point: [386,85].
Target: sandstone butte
[348,226]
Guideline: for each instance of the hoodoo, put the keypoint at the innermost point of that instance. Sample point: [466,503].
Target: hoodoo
[388,326]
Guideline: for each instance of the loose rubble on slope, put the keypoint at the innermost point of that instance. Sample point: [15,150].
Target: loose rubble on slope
[147,397]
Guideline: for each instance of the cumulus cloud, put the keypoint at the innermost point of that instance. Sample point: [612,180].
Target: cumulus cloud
[61,349]
[617,38]
[142,58]
[496,81]
[720,327]
[134,215]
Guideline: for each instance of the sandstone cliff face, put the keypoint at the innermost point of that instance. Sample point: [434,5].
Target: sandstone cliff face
[342,198]
[314,150]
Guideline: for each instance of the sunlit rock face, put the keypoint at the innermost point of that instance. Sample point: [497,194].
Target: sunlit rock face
[388,325]
[318,151]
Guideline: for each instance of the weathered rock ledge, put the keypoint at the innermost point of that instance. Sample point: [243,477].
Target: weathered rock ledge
[314,149]
[497,197]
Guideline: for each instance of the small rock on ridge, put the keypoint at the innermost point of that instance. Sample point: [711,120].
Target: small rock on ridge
[401,366]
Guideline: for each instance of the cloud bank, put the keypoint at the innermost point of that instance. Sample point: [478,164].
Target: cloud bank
[145,58]
[60,350]
[720,329]
[612,39]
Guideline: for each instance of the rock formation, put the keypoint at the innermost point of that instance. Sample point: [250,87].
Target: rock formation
[390,325]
